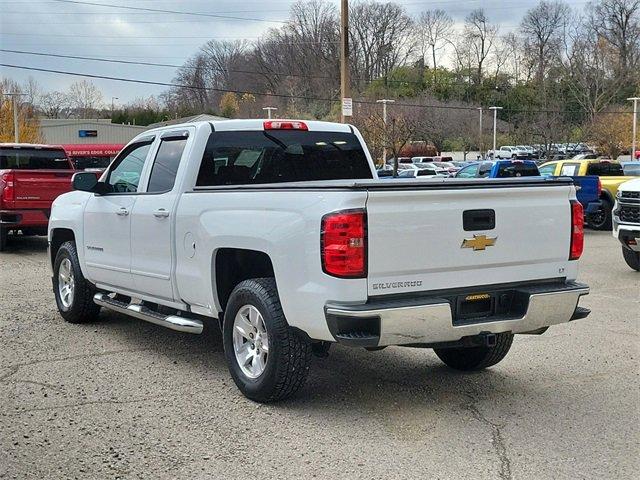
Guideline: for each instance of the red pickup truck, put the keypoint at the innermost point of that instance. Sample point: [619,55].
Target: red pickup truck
[31,177]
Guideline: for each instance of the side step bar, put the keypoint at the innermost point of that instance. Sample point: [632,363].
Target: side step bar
[173,322]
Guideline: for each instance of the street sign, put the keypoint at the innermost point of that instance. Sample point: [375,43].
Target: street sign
[347,107]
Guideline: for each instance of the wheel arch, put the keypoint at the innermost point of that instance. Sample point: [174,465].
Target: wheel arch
[234,265]
[58,237]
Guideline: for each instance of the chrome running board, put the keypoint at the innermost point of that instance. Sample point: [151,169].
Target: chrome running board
[173,322]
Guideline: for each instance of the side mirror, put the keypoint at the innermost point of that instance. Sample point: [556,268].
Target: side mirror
[88,182]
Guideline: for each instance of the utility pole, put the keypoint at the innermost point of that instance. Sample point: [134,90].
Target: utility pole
[269,110]
[635,126]
[345,90]
[480,132]
[495,121]
[384,102]
[14,107]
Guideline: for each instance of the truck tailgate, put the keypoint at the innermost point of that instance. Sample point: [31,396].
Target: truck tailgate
[37,189]
[418,240]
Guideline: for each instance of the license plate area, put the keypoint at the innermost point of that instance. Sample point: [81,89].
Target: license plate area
[488,306]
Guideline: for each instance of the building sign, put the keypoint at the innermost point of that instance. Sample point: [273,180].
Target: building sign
[347,107]
[87,133]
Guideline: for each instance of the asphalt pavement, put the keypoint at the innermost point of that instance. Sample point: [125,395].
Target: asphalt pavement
[120,398]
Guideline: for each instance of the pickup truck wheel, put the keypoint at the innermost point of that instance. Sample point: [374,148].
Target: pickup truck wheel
[632,258]
[268,360]
[476,358]
[4,233]
[602,218]
[74,294]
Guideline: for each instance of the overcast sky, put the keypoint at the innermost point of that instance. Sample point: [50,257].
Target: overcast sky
[49,26]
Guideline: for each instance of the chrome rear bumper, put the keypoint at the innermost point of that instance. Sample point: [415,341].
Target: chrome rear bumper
[430,320]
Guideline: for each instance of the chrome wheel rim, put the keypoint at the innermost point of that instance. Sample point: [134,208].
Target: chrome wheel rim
[66,283]
[250,341]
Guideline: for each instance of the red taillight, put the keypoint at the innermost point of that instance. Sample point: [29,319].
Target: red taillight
[284,125]
[599,187]
[343,244]
[7,187]
[577,231]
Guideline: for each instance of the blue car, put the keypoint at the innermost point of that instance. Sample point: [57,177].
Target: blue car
[500,169]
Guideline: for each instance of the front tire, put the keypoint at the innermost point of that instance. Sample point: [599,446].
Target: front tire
[602,218]
[74,294]
[476,358]
[632,258]
[267,359]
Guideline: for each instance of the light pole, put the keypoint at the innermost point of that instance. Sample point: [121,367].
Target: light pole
[112,100]
[14,107]
[269,110]
[495,121]
[345,87]
[635,126]
[384,102]
[480,132]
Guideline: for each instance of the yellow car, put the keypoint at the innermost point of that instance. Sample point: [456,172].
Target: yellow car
[611,177]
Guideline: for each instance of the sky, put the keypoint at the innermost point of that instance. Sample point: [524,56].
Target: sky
[79,29]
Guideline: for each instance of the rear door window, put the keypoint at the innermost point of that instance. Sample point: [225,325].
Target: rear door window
[277,156]
[33,159]
[570,169]
[605,169]
[517,169]
[165,167]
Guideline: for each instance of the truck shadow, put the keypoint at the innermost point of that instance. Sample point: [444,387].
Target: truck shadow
[20,244]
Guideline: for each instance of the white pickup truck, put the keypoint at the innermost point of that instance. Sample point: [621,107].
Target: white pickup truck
[626,222]
[279,232]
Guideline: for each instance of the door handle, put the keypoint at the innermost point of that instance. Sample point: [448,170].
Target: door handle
[123,212]
[161,213]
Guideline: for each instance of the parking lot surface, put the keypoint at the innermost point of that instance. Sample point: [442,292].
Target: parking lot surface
[120,398]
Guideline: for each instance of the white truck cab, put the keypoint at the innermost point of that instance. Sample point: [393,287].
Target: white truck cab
[280,233]
[626,222]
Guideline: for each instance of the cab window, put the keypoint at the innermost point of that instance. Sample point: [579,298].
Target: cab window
[125,174]
[547,170]
[605,169]
[165,166]
[468,172]
[570,169]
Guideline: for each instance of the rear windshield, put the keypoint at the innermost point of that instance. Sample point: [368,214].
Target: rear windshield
[256,157]
[83,163]
[514,169]
[605,169]
[33,159]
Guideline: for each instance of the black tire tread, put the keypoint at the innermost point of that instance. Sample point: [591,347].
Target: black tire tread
[476,358]
[632,258]
[4,233]
[85,310]
[295,359]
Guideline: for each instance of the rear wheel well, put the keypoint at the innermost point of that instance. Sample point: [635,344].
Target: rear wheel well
[234,265]
[59,236]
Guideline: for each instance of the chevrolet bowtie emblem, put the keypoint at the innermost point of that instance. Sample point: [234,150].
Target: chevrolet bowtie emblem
[479,242]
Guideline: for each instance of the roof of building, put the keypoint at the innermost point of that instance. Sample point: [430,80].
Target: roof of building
[203,117]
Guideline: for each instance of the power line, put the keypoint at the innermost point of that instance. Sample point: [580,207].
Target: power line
[174,12]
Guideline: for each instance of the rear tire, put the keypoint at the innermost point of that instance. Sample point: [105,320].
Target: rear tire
[632,258]
[74,294]
[476,358]
[253,315]
[602,218]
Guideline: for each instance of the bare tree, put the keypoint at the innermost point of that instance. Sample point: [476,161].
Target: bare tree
[85,98]
[618,22]
[381,36]
[480,36]
[434,30]
[54,104]
[543,27]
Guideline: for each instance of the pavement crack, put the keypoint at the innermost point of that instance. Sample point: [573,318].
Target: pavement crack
[496,439]
[13,369]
